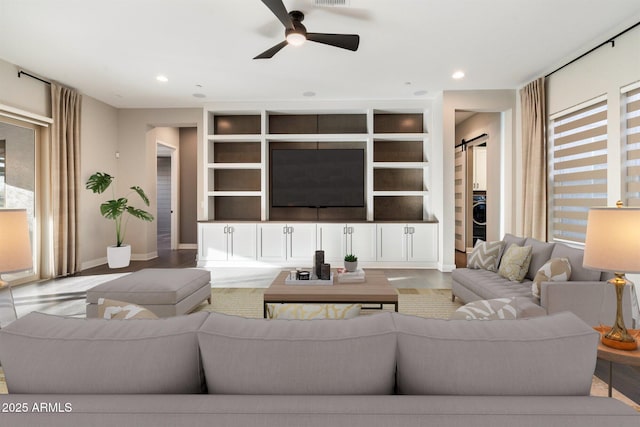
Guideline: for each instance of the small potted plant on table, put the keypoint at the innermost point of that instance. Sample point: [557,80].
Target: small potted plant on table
[350,262]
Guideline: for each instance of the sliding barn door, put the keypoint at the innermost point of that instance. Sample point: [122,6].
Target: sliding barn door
[460,199]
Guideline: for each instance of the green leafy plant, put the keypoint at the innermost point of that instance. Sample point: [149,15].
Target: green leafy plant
[350,258]
[115,208]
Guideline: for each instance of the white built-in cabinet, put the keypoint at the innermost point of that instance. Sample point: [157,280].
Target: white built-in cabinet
[227,242]
[338,240]
[294,244]
[407,242]
[279,242]
[480,168]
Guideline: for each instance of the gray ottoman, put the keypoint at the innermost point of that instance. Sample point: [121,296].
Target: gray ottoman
[164,291]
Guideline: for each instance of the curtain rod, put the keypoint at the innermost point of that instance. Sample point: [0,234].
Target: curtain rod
[611,40]
[21,72]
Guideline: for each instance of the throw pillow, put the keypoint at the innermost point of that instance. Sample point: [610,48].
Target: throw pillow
[112,309]
[554,270]
[515,263]
[493,309]
[485,255]
[313,311]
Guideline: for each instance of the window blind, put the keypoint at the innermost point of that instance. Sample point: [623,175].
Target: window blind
[578,169]
[631,147]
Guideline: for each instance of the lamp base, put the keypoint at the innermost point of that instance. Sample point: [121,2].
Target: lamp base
[618,337]
[619,345]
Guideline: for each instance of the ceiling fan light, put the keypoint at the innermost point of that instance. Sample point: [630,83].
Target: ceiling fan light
[295,39]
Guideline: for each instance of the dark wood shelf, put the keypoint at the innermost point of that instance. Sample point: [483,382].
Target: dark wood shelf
[397,151]
[236,152]
[236,180]
[398,123]
[293,124]
[397,180]
[395,208]
[227,208]
[237,125]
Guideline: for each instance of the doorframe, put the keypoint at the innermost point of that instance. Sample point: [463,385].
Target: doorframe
[175,214]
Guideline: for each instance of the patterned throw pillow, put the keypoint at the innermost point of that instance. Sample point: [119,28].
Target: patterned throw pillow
[313,311]
[554,270]
[515,263]
[112,309]
[493,309]
[485,255]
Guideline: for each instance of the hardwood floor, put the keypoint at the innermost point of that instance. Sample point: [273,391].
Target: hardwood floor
[183,258]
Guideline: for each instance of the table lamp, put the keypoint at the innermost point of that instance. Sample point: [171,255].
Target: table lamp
[15,247]
[613,244]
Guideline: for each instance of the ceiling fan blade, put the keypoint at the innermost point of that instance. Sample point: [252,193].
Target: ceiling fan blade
[272,51]
[278,9]
[345,41]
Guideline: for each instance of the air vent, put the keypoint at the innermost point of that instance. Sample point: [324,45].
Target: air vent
[332,3]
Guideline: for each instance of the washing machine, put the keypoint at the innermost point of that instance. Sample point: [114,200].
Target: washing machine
[479,217]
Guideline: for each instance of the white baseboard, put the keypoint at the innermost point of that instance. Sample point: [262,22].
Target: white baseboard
[188,246]
[144,257]
[93,263]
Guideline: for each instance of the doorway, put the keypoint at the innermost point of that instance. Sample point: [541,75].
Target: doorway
[166,190]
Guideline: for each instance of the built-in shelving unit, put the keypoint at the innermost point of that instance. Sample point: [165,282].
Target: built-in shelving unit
[238,145]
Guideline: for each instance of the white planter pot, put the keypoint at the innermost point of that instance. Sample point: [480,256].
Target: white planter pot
[118,256]
[351,265]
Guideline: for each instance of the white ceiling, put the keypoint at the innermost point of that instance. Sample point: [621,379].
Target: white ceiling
[113,50]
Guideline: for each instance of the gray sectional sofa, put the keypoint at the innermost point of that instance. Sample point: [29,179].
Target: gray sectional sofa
[587,294]
[388,369]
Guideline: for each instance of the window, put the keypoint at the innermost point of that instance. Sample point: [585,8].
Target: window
[577,168]
[18,180]
[631,145]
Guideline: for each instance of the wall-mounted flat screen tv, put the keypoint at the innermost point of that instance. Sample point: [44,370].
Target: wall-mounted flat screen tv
[317,178]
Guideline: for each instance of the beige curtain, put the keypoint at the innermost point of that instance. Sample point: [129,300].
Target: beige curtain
[534,160]
[65,178]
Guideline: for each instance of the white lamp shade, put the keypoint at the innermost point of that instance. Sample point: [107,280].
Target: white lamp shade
[613,240]
[15,244]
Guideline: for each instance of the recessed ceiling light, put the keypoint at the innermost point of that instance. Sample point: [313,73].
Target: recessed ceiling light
[309,93]
[458,75]
[162,78]
[420,92]
[199,95]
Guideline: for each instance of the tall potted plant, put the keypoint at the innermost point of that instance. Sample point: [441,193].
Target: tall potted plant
[118,255]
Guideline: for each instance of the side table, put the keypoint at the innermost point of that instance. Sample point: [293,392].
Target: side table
[630,358]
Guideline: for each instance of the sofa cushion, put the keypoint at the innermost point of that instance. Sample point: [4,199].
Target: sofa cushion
[490,285]
[575,256]
[545,356]
[112,309]
[312,311]
[554,270]
[510,239]
[485,255]
[515,263]
[42,353]
[323,357]
[540,253]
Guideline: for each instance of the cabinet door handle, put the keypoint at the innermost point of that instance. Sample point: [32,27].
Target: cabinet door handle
[225,229]
[284,230]
[230,229]
[406,230]
[350,230]
[290,231]
[344,230]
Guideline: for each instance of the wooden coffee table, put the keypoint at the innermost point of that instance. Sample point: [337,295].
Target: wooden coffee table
[374,290]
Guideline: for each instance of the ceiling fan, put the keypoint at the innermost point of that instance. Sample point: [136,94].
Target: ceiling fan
[296,34]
